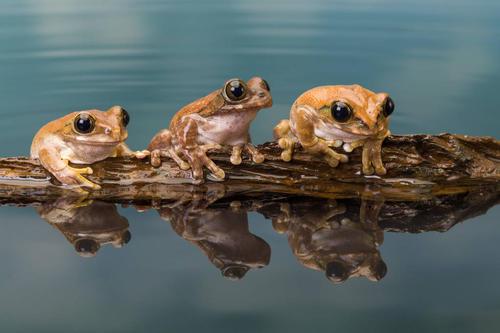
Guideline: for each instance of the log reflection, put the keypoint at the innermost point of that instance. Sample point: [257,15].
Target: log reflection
[340,237]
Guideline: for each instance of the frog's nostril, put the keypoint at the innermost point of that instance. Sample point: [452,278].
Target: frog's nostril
[261,94]
[107,131]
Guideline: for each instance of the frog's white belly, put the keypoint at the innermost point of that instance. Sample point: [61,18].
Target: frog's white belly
[226,129]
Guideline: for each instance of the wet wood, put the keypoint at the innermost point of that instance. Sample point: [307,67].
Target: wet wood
[419,166]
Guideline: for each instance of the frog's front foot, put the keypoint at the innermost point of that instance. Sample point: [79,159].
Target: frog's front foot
[287,145]
[74,176]
[330,156]
[256,156]
[372,158]
[197,159]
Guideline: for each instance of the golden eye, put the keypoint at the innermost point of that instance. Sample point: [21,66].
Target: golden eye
[84,123]
[235,90]
[341,111]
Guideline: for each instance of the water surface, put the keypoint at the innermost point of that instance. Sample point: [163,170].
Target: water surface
[437,59]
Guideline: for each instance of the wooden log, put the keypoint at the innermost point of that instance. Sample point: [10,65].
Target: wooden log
[419,167]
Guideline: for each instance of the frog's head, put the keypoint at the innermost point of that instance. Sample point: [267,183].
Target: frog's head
[372,267]
[253,95]
[88,245]
[95,127]
[352,109]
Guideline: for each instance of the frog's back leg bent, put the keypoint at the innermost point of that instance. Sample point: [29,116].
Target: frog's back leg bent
[162,146]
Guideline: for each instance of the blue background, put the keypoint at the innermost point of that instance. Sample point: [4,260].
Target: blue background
[439,60]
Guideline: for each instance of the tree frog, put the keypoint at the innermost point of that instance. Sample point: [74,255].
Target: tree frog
[82,137]
[332,116]
[220,118]
[86,224]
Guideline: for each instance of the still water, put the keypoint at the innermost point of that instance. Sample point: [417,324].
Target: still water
[439,60]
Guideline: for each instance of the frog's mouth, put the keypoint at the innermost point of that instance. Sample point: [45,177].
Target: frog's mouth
[357,132]
[85,141]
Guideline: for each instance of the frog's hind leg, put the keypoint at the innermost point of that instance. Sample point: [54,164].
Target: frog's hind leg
[194,153]
[162,146]
[60,169]
[282,132]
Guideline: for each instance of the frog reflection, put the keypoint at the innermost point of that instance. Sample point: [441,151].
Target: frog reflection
[341,239]
[87,225]
[222,234]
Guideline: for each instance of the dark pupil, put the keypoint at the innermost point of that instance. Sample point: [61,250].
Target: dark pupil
[125,117]
[236,90]
[388,107]
[86,246]
[341,112]
[336,271]
[84,124]
[126,237]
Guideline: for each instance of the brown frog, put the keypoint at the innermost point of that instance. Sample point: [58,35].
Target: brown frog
[82,137]
[340,238]
[86,224]
[220,118]
[222,234]
[333,116]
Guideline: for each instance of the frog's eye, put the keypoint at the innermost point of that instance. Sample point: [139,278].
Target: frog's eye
[266,85]
[234,272]
[86,247]
[126,237]
[235,90]
[84,123]
[336,272]
[380,270]
[125,118]
[388,107]
[341,111]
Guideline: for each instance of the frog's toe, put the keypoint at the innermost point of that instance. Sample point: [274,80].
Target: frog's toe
[286,155]
[214,169]
[83,171]
[197,172]
[235,159]
[343,158]
[156,158]
[381,171]
[184,165]
[368,170]
[258,158]
[332,161]
[219,175]
[142,154]
[87,183]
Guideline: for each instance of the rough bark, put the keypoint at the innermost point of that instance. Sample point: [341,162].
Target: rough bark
[419,167]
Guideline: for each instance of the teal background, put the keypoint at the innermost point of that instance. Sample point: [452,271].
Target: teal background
[439,60]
